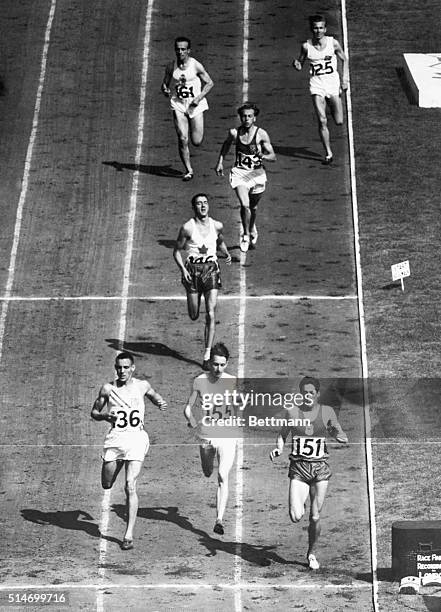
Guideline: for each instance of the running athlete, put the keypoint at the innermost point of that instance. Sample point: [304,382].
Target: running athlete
[213,442]
[248,176]
[324,84]
[186,83]
[309,471]
[201,237]
[121,403]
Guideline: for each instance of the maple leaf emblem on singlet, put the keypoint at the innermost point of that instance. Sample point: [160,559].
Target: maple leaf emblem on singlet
[203,250]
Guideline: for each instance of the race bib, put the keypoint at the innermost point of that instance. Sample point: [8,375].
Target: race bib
[321,68]
[126,419]
[183,91]
[249,162]
[309,448]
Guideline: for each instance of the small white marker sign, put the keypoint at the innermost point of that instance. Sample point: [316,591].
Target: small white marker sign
[400,271]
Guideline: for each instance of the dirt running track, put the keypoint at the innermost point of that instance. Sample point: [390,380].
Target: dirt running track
[72,246]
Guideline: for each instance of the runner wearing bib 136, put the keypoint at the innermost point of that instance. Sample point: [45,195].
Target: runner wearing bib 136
[309,471]
[121,403]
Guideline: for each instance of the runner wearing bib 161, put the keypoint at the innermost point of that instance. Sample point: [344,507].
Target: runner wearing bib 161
[324,82]
[186,83]
[309,471]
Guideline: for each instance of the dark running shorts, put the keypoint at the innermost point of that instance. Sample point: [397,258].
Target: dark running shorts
[309,471]
[204,277]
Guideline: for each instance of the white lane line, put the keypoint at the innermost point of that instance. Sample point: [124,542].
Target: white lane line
[174,298]
[195,585]
[105,505]
[241,354]
[25,179]
[364,363]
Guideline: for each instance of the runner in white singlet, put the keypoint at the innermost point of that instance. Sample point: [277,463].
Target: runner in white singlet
[186,83]
[121,403]
[201,237]
[324,84]
[216,441]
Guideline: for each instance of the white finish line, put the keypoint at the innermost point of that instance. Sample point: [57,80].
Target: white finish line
[192,586]
[173,298]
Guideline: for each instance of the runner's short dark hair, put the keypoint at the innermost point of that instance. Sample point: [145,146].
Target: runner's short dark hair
[221,350]
[183,39]
[248,106]
[196,196]
[315,19]
[309,380]
[125,355]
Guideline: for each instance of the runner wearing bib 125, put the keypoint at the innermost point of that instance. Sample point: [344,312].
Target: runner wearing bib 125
[309,471]
[324,84]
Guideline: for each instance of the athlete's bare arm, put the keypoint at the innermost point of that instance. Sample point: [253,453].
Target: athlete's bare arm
[181,242]
[344,60]
[207,83]
[221,246]
[155,397]
[333,426]
[266,146]
[165,86]
[281,439]
[231,137]
[191,421]
[101,401]
[298,63]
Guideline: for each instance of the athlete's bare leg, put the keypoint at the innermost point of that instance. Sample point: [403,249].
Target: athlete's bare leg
[207,453]
[336,106]
[225,458]
[243,196]
[193,304]
[109,472]
[254,201]
[298,494]
[319,103]
[210,317]
[197,129]
[132,472]
[317,493]
[181,126]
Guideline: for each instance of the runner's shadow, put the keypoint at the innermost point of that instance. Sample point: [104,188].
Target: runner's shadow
[168,244]
[258,555]
[149,348]
[145,169]
[77,520]
[300,152]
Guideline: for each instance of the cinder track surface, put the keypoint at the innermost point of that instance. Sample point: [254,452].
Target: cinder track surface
[72,246]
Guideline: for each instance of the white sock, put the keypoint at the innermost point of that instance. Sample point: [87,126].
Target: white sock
[207,354]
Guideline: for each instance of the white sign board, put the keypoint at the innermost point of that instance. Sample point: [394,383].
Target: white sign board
[400,271]
[423,73]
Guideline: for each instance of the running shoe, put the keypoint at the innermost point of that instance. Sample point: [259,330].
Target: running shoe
[312,562]
[244,243]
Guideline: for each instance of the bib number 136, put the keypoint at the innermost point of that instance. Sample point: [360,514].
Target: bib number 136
[127,419]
